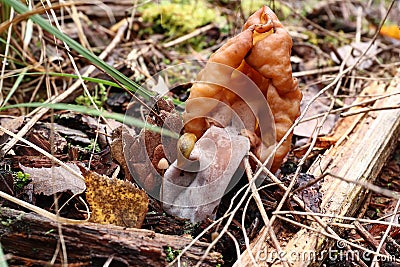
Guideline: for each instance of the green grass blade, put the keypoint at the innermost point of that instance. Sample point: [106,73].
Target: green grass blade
[91,79]
[3,42]
[21,76]
[125,81]
[74,76]
[129,120]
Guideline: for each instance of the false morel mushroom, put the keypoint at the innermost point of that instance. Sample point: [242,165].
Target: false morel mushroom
[262,53]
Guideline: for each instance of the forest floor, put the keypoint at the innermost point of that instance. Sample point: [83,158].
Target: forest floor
[58,128]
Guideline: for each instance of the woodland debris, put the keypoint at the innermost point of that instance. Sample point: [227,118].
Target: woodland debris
[117,148]
[49,181]
[194,189]
[30,240]
[358,157]
[113,201]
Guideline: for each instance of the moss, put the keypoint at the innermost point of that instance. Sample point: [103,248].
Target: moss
[171,254]
[251,6]
[20,180]
[176,18]
[99,97]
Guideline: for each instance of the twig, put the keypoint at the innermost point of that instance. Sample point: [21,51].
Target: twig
[257,199]
[322,29]
[379,248]
[315,71]
[368,237]
[336,216]
[334,237]
[369,186]
[228,214]
[298,201]
[82,37]
[40,211]
[314,181]
[40,10]
[224,229]
[94,143]
[245,236]
[197,238]
[188,36]
[133,13]
[234,242]
[3,68]
[367,109]
[362,103]
[42,151]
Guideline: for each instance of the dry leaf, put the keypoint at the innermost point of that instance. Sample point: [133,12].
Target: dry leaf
[10,124]
[355,50]
[117,149]
[55,179]
[195,191]
[113,201]
[143,152]
[321,105]
[391,31]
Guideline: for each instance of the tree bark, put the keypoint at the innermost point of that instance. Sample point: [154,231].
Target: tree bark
[32,240]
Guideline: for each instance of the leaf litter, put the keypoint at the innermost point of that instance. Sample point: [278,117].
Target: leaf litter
[155,58]
[49,181]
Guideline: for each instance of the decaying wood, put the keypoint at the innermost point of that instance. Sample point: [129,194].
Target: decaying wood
[359,157]
[31,240]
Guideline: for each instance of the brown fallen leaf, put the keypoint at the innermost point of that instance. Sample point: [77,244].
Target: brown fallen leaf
[10,124]
[54,180]
[143,151]
[117,150]
[321,105]
[194,189]
[45,136]
[114,201]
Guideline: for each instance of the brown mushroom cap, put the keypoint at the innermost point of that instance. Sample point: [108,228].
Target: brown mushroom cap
[262,52]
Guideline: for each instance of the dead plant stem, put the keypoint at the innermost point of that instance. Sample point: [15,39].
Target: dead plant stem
[386,234]
[257,199]
[4,64]
[39,112]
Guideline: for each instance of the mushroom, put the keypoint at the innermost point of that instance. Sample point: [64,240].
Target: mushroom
[261,52]
[244,99]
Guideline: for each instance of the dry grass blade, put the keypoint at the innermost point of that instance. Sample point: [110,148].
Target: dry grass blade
[40,111]
[115,74]
[42,151]
[357,170]
[40,211]
[40,10]
[264,215]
